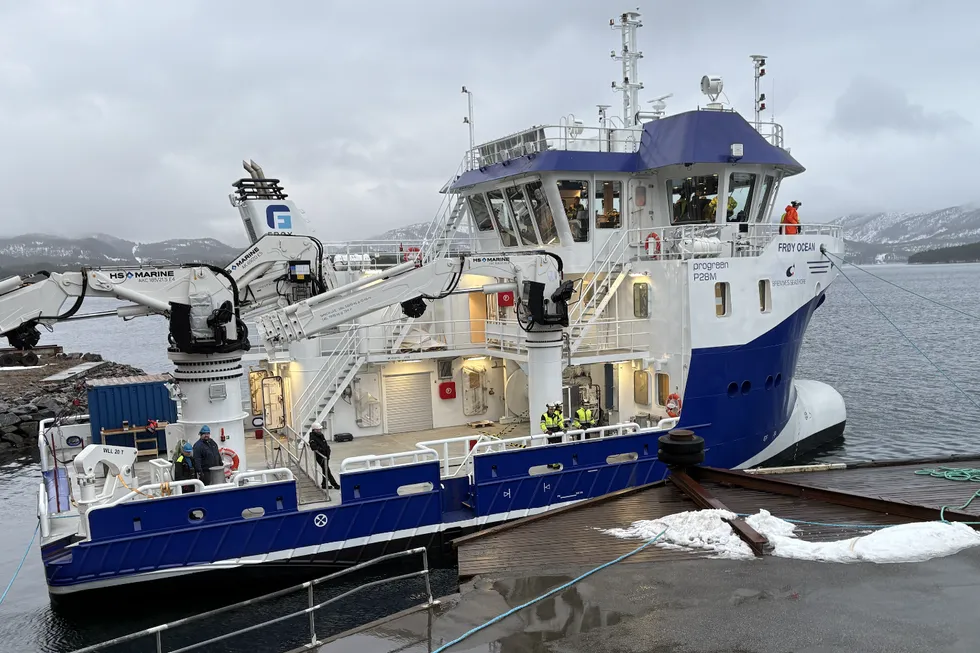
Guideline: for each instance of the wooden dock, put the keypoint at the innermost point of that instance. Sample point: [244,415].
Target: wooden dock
[573,537]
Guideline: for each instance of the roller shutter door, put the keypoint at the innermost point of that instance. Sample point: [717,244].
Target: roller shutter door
[408,402]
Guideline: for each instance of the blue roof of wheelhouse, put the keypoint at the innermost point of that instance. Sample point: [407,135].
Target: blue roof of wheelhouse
[691,137]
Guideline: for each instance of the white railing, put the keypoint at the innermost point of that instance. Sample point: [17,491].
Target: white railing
[772,132]
[437,239]
[298,453]
[42,511]
[505,337]
[381,254]
[683,242]
[458,453]
[377,461]
[611,334]
[454,452]
[572,137]
[609,261]
[340,359]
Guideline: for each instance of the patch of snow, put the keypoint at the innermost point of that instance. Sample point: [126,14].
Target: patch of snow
[707,530]
[916,542]
[697,529]
[21,367]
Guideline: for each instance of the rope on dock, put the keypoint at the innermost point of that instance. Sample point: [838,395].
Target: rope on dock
[960,474]
[902,333]
[560,588]
[21,565]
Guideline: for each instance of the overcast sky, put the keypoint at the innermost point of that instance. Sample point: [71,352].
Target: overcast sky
[132,117]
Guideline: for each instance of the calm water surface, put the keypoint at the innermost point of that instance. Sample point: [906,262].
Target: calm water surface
[898,404]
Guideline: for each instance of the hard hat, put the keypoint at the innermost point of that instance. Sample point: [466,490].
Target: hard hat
[317,426]
[206,429]
[188,448]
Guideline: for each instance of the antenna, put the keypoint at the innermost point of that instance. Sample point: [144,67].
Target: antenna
[659,107]
[759,62]
[630,86]
[469,117]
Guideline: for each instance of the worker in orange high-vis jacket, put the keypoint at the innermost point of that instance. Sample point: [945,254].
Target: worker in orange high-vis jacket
[791,219]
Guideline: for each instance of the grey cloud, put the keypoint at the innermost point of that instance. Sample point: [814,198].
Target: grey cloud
[131,118]
[869,105]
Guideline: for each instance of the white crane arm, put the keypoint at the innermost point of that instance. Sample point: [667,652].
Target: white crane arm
[536,279]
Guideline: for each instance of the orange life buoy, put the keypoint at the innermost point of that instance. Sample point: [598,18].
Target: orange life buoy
[673,405]
[411,253]
[229,453]
[656,239]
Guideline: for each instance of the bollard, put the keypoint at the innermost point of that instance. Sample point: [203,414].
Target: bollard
[680,448]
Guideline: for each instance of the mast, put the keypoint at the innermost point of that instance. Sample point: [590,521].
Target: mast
[630,86]
[758,62]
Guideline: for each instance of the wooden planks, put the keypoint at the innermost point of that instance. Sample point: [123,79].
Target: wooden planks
[572,538]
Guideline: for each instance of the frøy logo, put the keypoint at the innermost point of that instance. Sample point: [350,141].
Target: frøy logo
[791,270]
[277,217]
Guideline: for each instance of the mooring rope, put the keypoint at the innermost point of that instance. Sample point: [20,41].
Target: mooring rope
[892,283]
[910,341]
[21,565]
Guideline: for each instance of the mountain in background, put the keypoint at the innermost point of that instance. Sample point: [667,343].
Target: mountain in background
[33,252]
[881,237]
[869,238]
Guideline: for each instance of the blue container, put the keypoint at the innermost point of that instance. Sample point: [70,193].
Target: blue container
[132,399]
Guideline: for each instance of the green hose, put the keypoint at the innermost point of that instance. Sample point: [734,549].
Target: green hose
[955,474]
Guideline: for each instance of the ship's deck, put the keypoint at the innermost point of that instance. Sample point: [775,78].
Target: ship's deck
[261,454]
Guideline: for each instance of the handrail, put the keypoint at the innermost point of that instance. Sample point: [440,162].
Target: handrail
[157,631]
[541,138]
[299,457]
[712,240]
[445,458]
[603,264]
[341,356]
[368,461]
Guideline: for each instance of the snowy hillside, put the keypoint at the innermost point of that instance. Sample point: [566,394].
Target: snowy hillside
[901,234]
[33,252]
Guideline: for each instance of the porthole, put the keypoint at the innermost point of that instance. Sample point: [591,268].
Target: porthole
[195,515]
[779,379]
[732,389]
[769,382]
[746,386]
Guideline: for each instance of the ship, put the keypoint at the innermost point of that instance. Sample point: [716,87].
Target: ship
[635,270]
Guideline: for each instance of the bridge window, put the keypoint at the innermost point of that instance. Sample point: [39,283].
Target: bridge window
[542,212]
[767,186]
[740,187]
[575,199]
[480,212]
[522,215]
[691,199]
[608,198]
[507,234]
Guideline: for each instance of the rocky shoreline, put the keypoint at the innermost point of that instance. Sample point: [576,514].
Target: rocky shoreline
[25,400]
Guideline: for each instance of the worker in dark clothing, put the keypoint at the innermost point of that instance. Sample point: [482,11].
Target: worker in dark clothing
[318,443]
[184,467]
[206,455]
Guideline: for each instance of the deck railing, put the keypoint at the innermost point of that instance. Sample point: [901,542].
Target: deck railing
[571,137]
[310,610]
[729,240]
[458,452]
